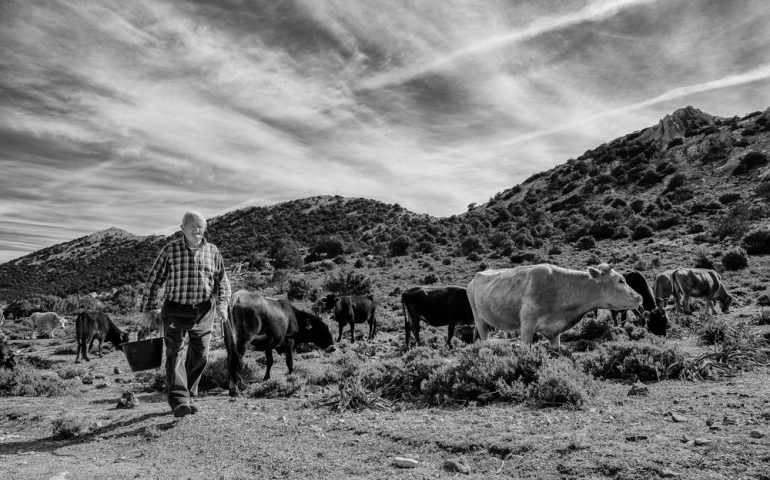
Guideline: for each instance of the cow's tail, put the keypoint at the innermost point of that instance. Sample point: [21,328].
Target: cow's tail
[80,342]
[407,326]
[233,359]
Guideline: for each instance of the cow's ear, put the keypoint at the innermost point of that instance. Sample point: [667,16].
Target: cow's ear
[594,272]
[337,299]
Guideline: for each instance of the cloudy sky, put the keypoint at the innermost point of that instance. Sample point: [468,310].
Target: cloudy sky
[127,113]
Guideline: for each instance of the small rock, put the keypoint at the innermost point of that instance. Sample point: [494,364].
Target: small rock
[99,376]
[635,438]
[639,388]
[87,380]
[756,434]
[128,400]
[405,462]
[668,474]
[728,421]
[714,428]
[457,465]
[709,422]
[116,371]
[684,439]
[102,385]
[702,442]
[678,418]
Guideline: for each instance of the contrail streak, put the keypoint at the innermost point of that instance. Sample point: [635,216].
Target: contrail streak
[593,12]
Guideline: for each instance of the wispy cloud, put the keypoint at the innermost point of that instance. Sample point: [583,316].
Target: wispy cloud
[129,113]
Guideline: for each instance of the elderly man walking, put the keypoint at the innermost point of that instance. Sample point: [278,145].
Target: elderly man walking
[193,273]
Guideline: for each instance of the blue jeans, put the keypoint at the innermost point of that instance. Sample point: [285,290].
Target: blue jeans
[183,372]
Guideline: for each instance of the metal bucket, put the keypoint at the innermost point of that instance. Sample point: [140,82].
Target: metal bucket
[144,354]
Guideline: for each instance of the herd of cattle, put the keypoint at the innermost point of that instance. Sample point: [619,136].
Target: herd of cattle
[542,298]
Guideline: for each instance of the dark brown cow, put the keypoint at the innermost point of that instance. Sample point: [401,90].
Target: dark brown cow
[664,289]
[96,325]
[352,309]
[649,313]
[438,306]
[700,282]
[267,324]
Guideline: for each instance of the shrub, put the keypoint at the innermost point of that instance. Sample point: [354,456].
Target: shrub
[348,283]
[446,261]
[641,231]
[398,246]
[735,259]
[557,384]
[626,359]
[25,380]
[325,248]
[676,181]
[749,162]
[590,328]
[299,288]
[763,301]
[729,198]
[757,242]
[471,245]
[474,257]
[67,426]
[675,142]
[285,254]
[585,243]
[668,221]
[702,260]
[276,387]
[430,279]
[486,371]
[215,374]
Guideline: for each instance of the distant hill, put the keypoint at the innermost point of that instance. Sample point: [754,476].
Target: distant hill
[693,178]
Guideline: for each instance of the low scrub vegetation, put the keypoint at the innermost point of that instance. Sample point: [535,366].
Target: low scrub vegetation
[643,360]
[26,380]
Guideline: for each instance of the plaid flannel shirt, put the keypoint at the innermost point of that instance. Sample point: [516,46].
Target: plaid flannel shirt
[190,276]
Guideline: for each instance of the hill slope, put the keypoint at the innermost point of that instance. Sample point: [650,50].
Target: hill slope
[693,178]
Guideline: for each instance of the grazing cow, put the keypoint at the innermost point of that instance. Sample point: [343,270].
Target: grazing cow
[13,309]
[156,323]
[267,324]
[654,317]
[7,359]
[47,321]
[545,298]
[352,309]
[664,289]
[700,282]
[439,306]
[96,325]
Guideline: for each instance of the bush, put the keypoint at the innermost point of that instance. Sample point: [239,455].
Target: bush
[729,198]
[763,301]
[471,245]
[557,384]
[276,387]
[25,380]
[735,259]
[626,359]
[348,283]
[676,181]
[702,260]
[749,162]
[299,288]
[398,246]
[585,243]
[474,257]
[67,426]
[757,242]
[641,231]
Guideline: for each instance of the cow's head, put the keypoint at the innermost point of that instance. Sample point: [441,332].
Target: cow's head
[657,321]
[614,292]
[62,322]
[313,330]
[725,301]
[328,302]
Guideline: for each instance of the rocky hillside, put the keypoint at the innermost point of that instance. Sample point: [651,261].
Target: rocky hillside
[693,179]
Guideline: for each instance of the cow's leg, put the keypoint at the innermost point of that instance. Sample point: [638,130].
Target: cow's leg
[407,331]
[710,305]
[352,329]
[482,329]
[269,363]
[450,333]
[342,327]
[78,343]
[99,351]
[686,304]
[289,350]
[372,327]
[554,341]
[528,332]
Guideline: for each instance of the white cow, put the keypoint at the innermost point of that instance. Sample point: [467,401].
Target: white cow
[545,298]
[47,321]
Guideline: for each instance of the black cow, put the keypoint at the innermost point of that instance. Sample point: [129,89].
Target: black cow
[267,324]
[648,313]
[13,309]
[96,325]
[352,309]
[7,359]
[439,306]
